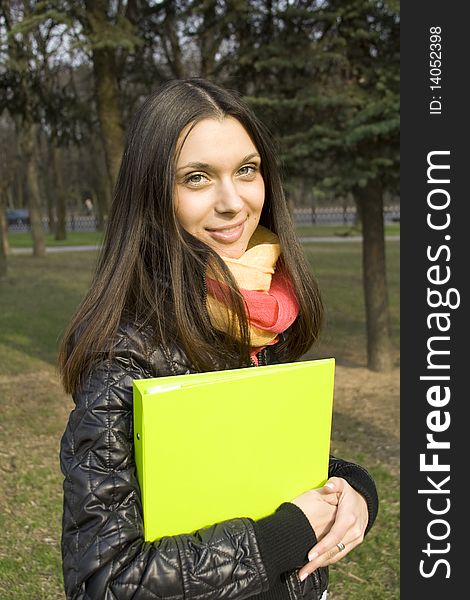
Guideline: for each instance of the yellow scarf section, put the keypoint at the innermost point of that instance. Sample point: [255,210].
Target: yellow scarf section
[252,271]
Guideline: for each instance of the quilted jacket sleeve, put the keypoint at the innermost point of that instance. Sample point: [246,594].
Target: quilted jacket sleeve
[104,554]
[360,480]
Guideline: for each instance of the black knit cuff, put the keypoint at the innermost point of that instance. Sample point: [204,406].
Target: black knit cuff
[362,482]
[284,539]
[278,591]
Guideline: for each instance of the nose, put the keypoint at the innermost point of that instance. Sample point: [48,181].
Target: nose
[228,198]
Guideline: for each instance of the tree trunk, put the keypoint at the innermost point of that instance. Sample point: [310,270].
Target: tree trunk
[102,202]
[17,195]
[4,246]
[171,41]
[4,243]
[3,265]
[50,193]
[103,198]
[27,138]
[370,206]
[106,91]
[48,187]
[50,211]
[208,40]
[107,98]
[4,189]
[59,193]
[37,229]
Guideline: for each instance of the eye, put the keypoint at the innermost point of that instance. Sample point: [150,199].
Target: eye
[248,170]
[195,179]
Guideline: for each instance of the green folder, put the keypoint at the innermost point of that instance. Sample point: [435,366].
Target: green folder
[225,444]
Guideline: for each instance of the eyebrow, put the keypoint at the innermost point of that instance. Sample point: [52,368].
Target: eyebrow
[201,165]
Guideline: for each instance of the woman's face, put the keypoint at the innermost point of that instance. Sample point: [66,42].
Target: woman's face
[219,188]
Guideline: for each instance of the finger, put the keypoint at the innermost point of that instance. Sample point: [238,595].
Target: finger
[334,484]
[337,550]
[331,556]
[345,529]
[334,554]
[325,559]
[338,533]
[329,496]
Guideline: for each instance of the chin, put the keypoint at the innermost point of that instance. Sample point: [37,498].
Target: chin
[231,252]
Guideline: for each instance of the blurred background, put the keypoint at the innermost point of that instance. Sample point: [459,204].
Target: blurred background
[324,77]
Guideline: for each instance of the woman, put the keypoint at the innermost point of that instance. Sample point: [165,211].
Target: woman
[200,270]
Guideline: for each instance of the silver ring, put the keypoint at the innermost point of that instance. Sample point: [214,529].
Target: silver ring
[340,546]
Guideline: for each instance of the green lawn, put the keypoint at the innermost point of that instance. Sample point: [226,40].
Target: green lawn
[37,299]
[74,238]
[337,267]
[341,230]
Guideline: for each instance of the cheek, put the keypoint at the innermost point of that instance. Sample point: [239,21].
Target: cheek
[258,197]
[189,211]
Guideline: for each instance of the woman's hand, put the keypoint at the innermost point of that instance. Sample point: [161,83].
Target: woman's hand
[319,506]
[337,538]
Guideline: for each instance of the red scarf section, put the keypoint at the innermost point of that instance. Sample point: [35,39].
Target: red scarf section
[272,311]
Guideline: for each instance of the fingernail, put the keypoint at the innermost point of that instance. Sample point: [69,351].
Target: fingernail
[302,577]
[330,485]
[312,555]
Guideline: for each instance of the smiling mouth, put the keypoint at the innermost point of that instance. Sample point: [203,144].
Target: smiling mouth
[228,235]
[228,229]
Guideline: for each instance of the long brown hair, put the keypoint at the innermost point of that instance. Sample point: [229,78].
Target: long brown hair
[152,272]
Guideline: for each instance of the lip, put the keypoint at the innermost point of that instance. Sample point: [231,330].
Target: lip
[229,233]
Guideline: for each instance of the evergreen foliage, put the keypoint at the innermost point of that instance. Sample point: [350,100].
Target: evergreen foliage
[325,77]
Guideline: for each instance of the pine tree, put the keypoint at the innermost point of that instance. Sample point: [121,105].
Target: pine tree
[367,155]
[325,76]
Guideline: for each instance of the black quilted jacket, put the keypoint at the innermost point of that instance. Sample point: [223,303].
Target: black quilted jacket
[103,550]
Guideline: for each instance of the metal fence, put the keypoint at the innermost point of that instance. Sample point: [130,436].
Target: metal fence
[72,223]
[338,215]
[335,215]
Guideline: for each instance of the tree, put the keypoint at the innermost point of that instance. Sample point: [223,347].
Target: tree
[20,80]
[367,32]
[102,30]
[4,246]
[8,173]
[105,36]
[325,76]
[59,108]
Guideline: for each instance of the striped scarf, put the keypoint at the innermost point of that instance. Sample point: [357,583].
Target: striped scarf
[270,302]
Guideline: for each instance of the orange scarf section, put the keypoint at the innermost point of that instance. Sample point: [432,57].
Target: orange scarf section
[270,302]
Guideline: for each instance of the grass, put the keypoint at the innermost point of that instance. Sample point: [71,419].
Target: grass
[74,238]
[371,571]
[341,230]
[338,271]
[33,413]
[37,299]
